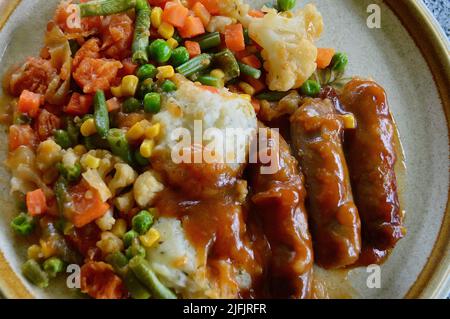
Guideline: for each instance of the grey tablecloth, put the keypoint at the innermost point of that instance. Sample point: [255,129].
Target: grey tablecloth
[441,10]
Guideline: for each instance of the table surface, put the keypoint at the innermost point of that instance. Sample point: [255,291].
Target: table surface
[441,10]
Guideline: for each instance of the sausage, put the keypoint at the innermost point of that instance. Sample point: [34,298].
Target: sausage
[316,131]
[278,201]
[371,158]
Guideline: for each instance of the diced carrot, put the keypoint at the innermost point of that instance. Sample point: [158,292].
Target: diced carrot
[36,202]
[192,27]
[113,104]
[211,5]
[29,103]
[211,89]
[201,12]
[234,37]
[79,104]
[128,67]
[324,57]
[252,60]
[193,48]
[175,14]
[257,84]
[256,13]
[21,135]
[86,208]
[256,105]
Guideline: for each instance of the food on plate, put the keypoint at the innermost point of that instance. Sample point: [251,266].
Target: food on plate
[150,146]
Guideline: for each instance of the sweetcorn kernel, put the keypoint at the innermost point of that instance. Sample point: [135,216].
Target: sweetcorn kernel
[129,85]
[90,161]
[247,88]
[79,149]
[149,238]
[247,97]
[88,128]
[166,30]
[172,43]
[153,131]
[165,72]
[349,121]
[34,252]
[217,73]
[135,132]
[146,148]
[156,17]
[116,91]
[119,228]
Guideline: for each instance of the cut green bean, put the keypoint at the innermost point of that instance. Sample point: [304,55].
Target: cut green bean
[105,7]
[286,5]
[119,145]
[135,250]
[118,261]
[61,193]
[226,61]
[145,274]
[101,115]
[141,32]
[271,96]
[95,142]
[249,70]
[197,64]
[53,266]
[209,41]
[23,224]
[34,273]
[73,131]
[247,38]
[210,81]
[140,160]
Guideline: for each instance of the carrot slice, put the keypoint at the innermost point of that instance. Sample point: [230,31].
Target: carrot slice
[21,135]
[29,103]
[252,60]
[256,13]
[36,202]
[201,12]
[192,27]
[193,48]
[234,37]
[79,104]
[175,14]
[211,5]
[324,57]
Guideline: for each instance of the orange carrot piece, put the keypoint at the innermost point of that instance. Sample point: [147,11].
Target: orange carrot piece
[193,48]
[113,104]
[175,14]
[29,103]
[36,202]
[252,60]
[211,89]
[201,12]
[211,5]
[234,37]
[324,57]
[21,135]
[256,13]
[257,84]
[192,27]
[256,105]
[79,104]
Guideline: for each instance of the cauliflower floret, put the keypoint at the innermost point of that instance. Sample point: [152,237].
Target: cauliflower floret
[145,189]
[93,178]
[107,221]
[124,176]
[125,202]
[288,50]
[48,154]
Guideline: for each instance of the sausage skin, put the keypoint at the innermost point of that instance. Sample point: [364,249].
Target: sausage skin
[316,131]
[371,158]
[278,201]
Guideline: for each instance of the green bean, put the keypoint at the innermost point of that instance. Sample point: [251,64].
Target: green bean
[141,32]
[310,88]
[249,70]
[62,138]
[226,61]
[139,159]
[271,96]
[135,250]
[105,7]
[210,80]
[101,115]
[73,131]
[34,273]
[199,63]
[23,224]
[95,142]
[285,5]
[118,261]
[71,173]
[61,193]
[53,266]
[247,38]
[119,145]
[145,274]
[209,40]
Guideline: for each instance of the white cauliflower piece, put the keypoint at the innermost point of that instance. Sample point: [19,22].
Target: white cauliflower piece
[47,155]
[106,222]
[93,178]
[145,189]
[124,176]
[288,50]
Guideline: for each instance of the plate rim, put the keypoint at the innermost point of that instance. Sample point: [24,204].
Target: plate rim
[434,279]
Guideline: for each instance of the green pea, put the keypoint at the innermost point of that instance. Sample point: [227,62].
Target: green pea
[135,250]
[131,105]
[286,5]
[160,51]
[71,173]
[145,87]
[23,224]
[146,71]
[180,55]
[140,160]
[142,222]
[310,88]
[62,138]
[129,237]
[53,266]
[339,62]
[152,102]
[168,86]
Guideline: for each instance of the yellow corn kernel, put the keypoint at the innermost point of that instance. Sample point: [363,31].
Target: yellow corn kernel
[153,131]
[349,121]
[172,43]
[156,16]
[47,249]
[149,238]
[80,150]
[119,228]
[34,252]
[129,85]
[146,148]
[217,73]
[90,161]
[247,97]
[165,72]
[135,132]
[116,91]
[88,128]
[247,88]
[166,30]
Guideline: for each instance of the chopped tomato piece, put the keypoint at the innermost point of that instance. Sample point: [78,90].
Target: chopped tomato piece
[257,84]
[234,37]
[175,14]
[192,27]
[36,202]
[117,33]
[79,104]
[84,239]
[90,49]
[128,67]
[46,124]
[29,103]
[96,74]
[324,57]
[193,48]
[99,281]
[21,135]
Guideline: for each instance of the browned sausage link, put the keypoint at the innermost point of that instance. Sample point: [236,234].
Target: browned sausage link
[371,158]
[316,134]
[278,200]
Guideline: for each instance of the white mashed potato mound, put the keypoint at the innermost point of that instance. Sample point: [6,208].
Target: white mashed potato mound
[176,263]
[219,111]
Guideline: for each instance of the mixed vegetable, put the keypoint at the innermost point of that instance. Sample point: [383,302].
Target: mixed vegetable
[96,145]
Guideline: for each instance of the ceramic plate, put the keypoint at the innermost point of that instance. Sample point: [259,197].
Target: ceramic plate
[407,55]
